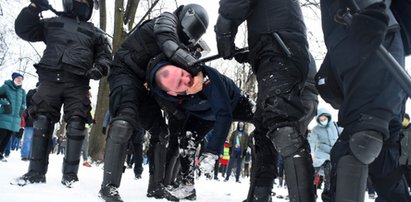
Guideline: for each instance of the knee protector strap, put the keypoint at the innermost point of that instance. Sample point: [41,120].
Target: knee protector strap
[366,145]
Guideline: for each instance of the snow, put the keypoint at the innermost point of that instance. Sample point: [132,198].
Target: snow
[90,179]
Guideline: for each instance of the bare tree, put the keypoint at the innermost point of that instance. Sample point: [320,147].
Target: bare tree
[121,16]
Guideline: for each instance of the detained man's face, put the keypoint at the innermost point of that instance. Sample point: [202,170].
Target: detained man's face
[174,80]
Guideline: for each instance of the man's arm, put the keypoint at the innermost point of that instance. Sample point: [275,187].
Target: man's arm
[231,14]
[166,34]
[28,25]
[220,102]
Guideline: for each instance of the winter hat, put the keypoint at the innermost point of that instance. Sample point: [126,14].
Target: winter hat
[15,75]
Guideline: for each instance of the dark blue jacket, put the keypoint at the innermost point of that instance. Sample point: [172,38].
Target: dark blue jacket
[215,102]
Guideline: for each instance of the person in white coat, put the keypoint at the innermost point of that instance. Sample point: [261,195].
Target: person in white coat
[322,139]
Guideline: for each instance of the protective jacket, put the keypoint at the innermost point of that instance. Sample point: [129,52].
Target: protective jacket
[72,45]
[147,42]
[215,102]
[17,98]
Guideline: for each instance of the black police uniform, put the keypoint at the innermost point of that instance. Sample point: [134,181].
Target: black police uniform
[74,48]
[373,102]
[280,59]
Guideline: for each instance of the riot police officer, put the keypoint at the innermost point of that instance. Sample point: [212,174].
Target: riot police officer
[279,57]
[76,51]
[132,106]
[372,102]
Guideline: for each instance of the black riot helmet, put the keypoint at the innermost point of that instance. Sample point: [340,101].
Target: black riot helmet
[80,8]
[193,20]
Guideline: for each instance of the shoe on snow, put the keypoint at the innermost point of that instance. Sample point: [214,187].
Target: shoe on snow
[160,192]
[109,193]
[29,178]
[187,192]
[69,179]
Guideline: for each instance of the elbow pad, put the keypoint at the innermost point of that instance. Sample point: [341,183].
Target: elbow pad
[166,22]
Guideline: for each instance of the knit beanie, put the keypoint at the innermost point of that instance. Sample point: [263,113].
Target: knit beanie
[15,75]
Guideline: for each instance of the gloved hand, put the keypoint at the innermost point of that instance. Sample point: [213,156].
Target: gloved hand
[368,27]
[184,59]
[41,5]
[242,57]
[207,162]
[103,130]
[94,73]
[225,32]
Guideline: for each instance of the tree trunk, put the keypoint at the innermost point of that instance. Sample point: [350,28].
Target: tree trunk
[97,139]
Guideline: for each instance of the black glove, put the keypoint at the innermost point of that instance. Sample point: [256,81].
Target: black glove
[242,57]
[225,32]
[185,60]
[94,73]
[103,130]
[41,5]
[368,27]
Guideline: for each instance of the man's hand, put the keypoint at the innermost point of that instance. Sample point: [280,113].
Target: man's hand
[94,73]
[368,27]
[197,84]
[41,5]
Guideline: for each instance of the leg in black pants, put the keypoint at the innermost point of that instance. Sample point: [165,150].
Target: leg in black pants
[4,139]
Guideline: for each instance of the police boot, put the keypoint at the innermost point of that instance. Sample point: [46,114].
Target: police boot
[42,131]
[352,169]
[297,163]
[75,136]
[262,194]
[119,133]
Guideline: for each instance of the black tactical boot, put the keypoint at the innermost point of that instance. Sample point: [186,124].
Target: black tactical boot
[69,179]
[262,194]
[29,178]
[109,193]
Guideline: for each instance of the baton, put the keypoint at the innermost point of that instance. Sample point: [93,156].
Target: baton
[215,57]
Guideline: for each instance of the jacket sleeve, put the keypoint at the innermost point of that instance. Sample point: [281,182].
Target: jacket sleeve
[313,140]
[219,100]
[102,52]
[235,10]
[28,25]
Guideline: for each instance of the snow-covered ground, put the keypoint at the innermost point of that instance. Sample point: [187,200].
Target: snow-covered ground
[87,188]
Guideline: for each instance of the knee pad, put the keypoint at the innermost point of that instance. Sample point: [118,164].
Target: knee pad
[42,126]
[287,141]
[120,131]
[366,145]
[75,128]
